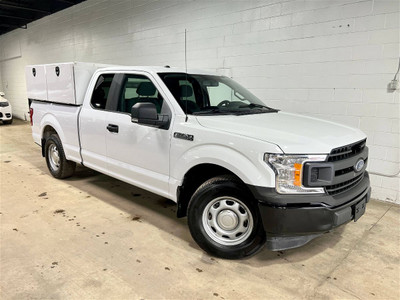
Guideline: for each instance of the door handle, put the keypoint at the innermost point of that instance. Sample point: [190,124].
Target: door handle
[112,128]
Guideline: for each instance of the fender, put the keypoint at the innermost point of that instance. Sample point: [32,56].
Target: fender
[242,166]
[49,119]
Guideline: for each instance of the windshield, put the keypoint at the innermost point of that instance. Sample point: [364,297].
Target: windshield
[209,95]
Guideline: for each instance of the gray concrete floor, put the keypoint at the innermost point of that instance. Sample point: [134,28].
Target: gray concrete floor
[94,237]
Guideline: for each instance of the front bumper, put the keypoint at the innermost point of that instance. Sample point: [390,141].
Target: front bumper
[5,114]
[291,221]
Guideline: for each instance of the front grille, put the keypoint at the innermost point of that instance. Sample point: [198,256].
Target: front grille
[348,169]
[344,171]
[343,186]
[346,151]
[343,160]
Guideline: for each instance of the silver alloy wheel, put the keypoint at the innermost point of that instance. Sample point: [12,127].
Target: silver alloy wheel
[54,157]
[227,221]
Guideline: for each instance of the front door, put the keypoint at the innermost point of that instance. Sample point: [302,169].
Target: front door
[138,154]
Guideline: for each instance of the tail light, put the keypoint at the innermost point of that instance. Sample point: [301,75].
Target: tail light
[31,115]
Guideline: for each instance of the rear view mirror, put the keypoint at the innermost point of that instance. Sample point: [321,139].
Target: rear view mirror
[239,96]
[210,82]
[2,94]
[146,114]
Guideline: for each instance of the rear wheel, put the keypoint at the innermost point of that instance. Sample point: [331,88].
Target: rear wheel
[57,164]
[224,220]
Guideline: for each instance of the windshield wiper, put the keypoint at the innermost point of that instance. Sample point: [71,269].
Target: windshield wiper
[207,111]
[254,105]
[215,110]
[251,108]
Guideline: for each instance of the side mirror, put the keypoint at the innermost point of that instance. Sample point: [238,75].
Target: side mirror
[146,114]
[2,94]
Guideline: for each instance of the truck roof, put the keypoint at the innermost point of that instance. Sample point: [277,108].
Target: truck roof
[157,69]
[67,82]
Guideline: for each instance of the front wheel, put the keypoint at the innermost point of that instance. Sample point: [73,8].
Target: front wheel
[224,220]
[8,122]
[57,164]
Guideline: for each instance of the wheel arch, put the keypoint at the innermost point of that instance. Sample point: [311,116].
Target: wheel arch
[50,125]
[47,131]
[194,178]
[211,160]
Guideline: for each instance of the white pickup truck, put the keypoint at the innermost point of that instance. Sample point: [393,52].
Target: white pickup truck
[243,173]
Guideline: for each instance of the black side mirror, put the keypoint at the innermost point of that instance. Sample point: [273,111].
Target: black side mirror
[146,114]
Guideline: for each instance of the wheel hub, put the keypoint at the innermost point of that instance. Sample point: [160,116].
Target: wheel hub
[54,157]
[227,219]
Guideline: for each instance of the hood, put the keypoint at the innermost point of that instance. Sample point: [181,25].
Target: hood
[295,134]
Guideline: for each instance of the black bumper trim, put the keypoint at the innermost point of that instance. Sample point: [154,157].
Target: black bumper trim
[288,242]
[290,221]
[309,216]
[271,197]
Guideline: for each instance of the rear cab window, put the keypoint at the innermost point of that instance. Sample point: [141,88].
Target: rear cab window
[101,91]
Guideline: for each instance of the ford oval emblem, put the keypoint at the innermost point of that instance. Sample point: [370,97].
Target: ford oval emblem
[359,165]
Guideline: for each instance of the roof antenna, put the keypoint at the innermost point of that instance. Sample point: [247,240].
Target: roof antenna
[186,78]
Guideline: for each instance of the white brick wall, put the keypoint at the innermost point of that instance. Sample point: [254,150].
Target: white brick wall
[330,59]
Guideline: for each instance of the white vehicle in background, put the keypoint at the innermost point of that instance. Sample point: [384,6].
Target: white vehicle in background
[243,173]
[5,110]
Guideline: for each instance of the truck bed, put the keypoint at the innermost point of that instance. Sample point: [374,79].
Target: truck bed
[65,120]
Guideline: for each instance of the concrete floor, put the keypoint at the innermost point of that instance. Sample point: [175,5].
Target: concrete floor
[92,236]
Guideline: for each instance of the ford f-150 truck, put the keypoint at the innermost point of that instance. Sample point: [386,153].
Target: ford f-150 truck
[244,174]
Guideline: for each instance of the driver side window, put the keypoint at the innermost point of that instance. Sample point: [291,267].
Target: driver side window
[138,89]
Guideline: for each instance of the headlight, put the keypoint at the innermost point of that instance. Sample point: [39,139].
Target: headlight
[289,172]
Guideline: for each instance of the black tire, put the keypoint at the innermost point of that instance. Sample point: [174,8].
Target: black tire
[225,199]
[61,167]
[8,122]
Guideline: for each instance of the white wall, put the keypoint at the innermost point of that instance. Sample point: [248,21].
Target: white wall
[1,83]
[330,59]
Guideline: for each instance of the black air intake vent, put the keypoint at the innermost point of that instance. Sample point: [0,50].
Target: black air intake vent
[346,151]
[343,186]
